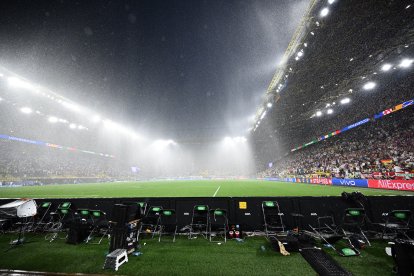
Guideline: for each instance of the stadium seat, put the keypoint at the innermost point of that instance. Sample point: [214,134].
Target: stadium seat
[218,223]
[397,222]
[151,221]
[85,215]
[199,220]
[143,207]
[273,218]
[43,215]
[168,223]
[354,220]
[58,220]
[100,226]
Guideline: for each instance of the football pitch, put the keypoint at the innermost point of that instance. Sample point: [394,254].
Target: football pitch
[185,188]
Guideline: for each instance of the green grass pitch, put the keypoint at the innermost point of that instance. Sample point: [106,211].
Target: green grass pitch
[187,188]
[185,257]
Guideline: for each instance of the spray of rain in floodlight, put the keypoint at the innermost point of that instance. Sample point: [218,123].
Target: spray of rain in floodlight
[345,100]
[53,119]
[96,119]
[329,111]
[386,67]
[171,142]
[369,85]
[227,139]
[405,63]
[26,110]
[71,106]
[324,12]
[19,83]
[318,113]
[109,124]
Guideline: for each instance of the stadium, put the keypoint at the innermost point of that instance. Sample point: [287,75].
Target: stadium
[207,137]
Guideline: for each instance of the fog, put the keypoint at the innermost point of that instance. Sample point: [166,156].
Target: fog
[163,158]
[155,86]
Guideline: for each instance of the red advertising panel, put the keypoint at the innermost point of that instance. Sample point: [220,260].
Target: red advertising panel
[403,185]
[325,181]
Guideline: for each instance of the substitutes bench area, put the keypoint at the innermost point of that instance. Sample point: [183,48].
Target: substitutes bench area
[346,224]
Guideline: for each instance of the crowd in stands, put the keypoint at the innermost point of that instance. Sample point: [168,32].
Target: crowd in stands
[383,149]
[21,161]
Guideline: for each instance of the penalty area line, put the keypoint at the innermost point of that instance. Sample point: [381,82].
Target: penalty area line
[217,191]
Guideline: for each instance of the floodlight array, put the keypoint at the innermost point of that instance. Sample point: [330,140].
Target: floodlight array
[370,85]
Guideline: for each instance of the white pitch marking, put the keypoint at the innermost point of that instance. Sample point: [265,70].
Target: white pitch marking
[216,191]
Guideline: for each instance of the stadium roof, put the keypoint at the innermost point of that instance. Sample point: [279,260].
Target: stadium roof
[348,59]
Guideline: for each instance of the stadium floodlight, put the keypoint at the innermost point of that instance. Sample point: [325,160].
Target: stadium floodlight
[324,12]
[329,111]
[300,53]
[108,124]
[345,100]
[405,63]
[38,112]
[369,85]
[70,106]
[386,67]
[26,110]
[81,127]
[63,121]
[269,105]
[319,113]
[96,119]
[53,119]
[263,115]
[72,126]
[331,2]
[19,83]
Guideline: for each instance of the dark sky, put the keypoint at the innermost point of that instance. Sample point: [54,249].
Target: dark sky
[173,68]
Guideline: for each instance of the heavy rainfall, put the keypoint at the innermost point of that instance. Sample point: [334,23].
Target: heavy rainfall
[137,89]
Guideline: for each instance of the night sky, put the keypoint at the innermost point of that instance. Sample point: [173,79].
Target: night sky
[177,69]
